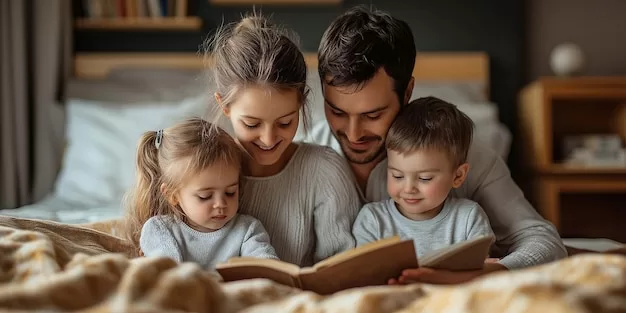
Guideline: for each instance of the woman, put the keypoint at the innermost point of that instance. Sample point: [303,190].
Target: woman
[303,194]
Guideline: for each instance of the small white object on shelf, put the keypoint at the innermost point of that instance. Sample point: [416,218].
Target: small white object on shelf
[594,151]
[567,59]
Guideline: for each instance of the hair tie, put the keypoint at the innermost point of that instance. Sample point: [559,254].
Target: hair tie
[159,138]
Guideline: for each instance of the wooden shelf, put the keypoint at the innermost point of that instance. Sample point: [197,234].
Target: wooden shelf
[550,110]
[147,23]
[275,2]
[576,170]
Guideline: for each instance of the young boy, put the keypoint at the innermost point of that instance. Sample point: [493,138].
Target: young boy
[427,147]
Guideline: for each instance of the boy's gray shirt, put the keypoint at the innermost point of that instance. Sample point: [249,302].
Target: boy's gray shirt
[458,220]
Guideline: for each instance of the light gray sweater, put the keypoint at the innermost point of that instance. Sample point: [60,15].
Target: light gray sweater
[166,236]
[308,208]
[458,221]
[523,237]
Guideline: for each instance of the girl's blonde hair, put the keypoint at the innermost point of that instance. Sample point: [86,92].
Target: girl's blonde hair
[185,149]
[255,52]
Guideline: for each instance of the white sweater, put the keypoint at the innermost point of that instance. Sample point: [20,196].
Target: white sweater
[523,237]
[308,208]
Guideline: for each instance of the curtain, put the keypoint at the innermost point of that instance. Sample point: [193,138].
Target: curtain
[35,58]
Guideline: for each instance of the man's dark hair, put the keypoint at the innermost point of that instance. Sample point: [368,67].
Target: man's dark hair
[431,123]
[361,41]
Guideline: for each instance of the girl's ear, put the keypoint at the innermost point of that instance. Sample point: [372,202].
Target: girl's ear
[218,99]
[460,174]
[172,199]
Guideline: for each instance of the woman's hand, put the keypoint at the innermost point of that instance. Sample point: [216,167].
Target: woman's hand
[444,277]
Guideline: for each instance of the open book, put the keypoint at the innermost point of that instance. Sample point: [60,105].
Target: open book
[367,265]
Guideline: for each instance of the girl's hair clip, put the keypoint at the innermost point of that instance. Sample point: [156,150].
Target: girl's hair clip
[159,138]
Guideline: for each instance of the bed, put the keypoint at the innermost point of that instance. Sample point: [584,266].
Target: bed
[82,265]
[114,97]
[43,270]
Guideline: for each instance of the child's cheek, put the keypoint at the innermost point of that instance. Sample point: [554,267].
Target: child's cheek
[394,189]
[433,191]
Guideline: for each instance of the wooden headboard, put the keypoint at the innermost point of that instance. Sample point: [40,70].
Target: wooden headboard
[429,66]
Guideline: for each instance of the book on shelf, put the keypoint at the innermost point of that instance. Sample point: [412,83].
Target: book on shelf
[370,264]
[133,8]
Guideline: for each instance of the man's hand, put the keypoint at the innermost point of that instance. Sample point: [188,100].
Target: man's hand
[443,277]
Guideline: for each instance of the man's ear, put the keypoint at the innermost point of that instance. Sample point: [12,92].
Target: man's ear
[218,99]
[460,174]
[409,90]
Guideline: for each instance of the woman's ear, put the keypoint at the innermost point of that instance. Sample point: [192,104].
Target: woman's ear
[460,174]
[218,99]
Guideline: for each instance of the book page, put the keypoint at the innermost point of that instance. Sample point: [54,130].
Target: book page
[341,257]
[463,256]
[274,264]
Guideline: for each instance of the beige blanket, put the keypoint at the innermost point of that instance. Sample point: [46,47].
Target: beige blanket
[55,267]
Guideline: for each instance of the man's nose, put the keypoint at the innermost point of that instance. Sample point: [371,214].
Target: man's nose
[354,132]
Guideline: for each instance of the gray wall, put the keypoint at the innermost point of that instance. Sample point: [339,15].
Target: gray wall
[598,27]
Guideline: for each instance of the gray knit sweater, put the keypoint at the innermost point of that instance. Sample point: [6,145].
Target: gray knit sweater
[308,208]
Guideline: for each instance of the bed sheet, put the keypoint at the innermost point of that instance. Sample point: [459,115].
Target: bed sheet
[57,209]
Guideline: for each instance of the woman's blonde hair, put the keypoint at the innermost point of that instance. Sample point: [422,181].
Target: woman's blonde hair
[166,160]
[255,52]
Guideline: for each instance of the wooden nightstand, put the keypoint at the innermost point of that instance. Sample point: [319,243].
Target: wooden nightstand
[580,201]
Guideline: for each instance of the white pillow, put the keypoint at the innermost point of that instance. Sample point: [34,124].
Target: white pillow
[89,168]
[99,163]
[151,117]
[451,91]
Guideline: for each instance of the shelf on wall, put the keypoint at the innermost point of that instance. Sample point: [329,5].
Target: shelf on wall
[274,2]
[147,23]
[576,169]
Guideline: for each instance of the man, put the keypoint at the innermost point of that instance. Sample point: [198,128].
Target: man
[366,60]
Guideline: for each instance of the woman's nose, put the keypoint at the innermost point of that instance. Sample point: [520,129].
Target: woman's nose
[268,137]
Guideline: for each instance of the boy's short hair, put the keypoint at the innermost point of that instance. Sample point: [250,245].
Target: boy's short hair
[431,123]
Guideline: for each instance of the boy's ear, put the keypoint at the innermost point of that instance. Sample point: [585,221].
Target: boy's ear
[409,90]
[218,99]
[460,175]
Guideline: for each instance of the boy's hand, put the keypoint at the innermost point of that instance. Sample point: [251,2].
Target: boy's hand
[444,277]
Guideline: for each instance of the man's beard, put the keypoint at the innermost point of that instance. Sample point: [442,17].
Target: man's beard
[355,157]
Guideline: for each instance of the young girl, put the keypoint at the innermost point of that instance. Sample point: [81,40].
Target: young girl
[303,194]
[184,205]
